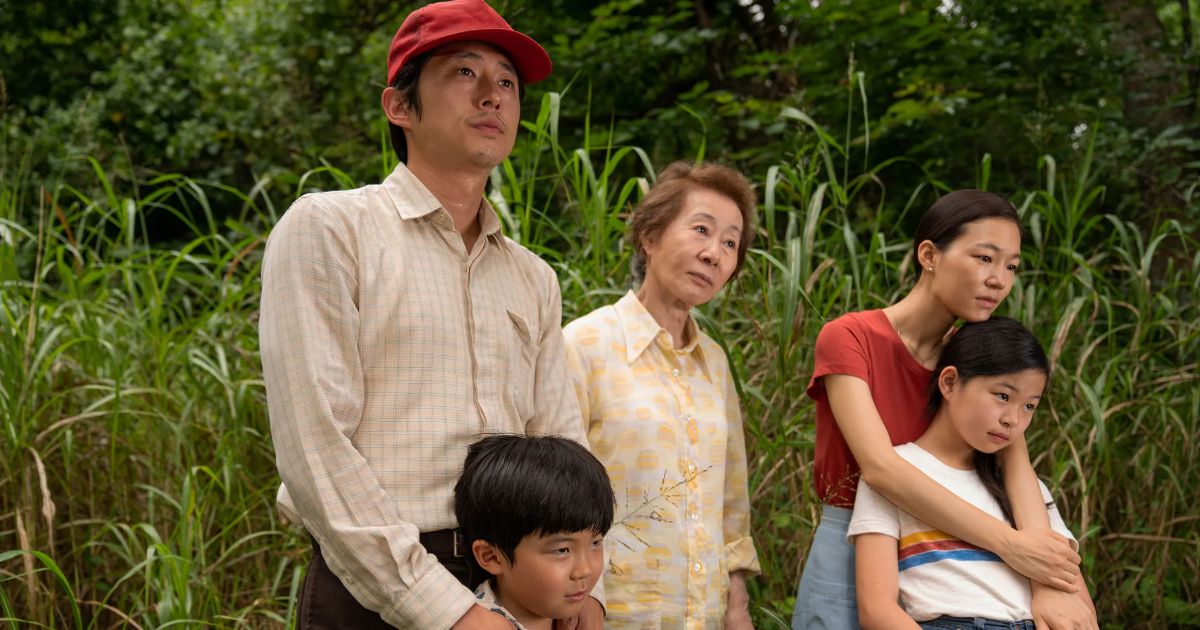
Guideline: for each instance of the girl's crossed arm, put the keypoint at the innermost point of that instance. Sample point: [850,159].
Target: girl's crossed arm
[1038,552]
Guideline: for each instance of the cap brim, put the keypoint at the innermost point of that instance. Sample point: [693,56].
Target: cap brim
[531,60]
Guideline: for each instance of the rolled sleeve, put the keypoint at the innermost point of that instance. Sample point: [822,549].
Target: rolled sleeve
[438,603]
[740,554]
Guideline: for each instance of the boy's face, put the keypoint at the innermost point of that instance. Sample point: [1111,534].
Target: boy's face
[550,576]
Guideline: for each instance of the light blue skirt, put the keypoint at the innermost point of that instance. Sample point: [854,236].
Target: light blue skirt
[826,599]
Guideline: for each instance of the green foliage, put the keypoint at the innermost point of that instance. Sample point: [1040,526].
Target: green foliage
[228,90]
[243,92]
[138,461]
[137,449]
[137,479]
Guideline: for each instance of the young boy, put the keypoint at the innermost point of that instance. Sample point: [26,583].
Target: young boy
[533,513]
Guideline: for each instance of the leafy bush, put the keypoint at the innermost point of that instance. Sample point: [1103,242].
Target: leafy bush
[138,461]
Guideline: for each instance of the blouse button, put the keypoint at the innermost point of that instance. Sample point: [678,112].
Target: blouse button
[675,372]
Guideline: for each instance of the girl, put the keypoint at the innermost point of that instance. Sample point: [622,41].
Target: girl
[869,381]
[988,382]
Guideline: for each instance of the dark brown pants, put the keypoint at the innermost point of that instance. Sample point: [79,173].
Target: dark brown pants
[325,604]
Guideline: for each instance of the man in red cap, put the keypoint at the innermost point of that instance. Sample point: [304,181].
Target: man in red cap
[398,325]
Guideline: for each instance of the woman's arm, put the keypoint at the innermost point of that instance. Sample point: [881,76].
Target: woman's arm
[1029,512]
[737,611]
[877,580]
[1052,608]
[741,559]
[1020,482]
[1040,554]
[740,554]
[1056,610]
[1084,596]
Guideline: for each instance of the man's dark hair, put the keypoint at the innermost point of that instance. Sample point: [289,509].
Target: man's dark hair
[405,81]
[513,486]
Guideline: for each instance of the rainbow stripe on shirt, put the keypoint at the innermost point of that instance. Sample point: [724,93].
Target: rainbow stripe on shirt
[933,546]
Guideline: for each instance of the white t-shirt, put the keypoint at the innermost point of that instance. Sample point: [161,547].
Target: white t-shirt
[940,574]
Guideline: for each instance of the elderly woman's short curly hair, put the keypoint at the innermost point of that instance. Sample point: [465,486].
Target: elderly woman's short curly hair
[665,200]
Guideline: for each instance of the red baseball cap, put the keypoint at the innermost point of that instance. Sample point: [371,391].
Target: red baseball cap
[465,20]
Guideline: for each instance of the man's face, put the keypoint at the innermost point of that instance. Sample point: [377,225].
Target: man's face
[470,107]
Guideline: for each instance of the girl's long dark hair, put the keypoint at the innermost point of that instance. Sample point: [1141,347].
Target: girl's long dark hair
[993,347]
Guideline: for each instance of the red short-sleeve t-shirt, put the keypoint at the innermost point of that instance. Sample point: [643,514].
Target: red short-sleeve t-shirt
[864,345]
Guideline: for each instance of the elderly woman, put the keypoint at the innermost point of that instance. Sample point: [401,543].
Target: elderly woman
[662,413]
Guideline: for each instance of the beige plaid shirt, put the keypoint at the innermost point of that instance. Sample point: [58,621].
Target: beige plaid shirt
[387,349]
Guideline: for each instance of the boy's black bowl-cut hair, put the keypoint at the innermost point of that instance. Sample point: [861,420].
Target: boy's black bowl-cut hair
[515,485]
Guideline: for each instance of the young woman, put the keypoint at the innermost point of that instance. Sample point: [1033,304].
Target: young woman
[985,389]
[869,383]
[662,413]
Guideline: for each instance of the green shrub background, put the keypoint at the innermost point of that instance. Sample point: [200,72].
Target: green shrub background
[148,148]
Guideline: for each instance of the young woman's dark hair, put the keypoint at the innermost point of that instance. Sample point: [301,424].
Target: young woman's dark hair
[944,220]
[515,485]
[992,347]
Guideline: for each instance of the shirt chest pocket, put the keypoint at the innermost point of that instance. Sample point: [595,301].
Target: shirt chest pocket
[523,351]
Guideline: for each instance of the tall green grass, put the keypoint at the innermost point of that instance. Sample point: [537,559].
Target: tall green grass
[137,477]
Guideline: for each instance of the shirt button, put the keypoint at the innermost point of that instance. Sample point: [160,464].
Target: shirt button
[695,516]
[691,468]
[675,372]
[696,567]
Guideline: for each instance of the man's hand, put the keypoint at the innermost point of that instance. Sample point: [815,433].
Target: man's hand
[737,613]
[1058,610]
[480,618]
[591,617]
[1044,556]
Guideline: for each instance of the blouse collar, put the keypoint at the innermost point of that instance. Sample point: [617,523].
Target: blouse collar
[641,330]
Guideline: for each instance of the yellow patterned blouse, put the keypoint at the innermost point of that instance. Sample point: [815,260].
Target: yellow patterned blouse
[667,425]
